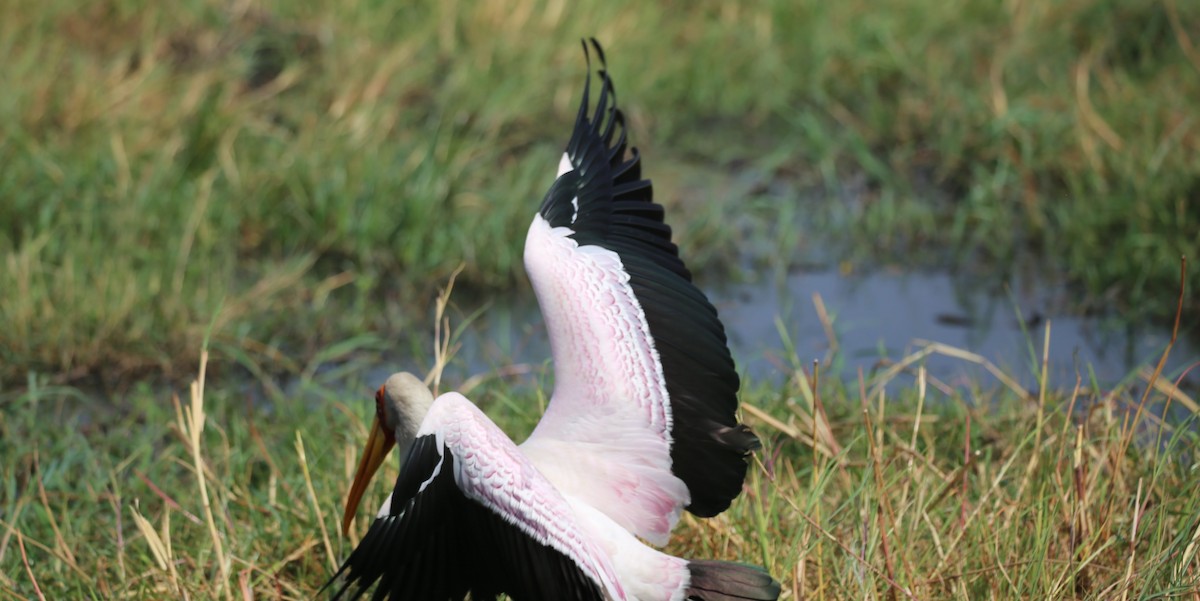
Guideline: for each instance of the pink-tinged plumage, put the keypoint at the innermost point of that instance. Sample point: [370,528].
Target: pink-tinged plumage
[492,471]
[640,427]
[647,573]
[610,405]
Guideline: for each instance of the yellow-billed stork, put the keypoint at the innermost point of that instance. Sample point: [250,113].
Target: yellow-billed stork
[641,424]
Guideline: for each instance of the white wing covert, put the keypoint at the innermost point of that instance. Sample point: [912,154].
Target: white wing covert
[469,513]
[645,393]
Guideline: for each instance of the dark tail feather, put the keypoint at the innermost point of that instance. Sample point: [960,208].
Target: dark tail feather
[729,581]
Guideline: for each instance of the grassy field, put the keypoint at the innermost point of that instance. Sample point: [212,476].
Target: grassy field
[896,487]
[288,184]
[279,164]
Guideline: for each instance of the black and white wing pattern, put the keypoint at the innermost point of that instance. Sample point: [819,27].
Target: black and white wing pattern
[469,514]
[642,420]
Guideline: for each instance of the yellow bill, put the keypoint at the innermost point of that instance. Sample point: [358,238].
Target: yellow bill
[378,446]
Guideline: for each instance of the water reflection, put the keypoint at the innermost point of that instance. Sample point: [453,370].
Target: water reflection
[873,319]
[885,316]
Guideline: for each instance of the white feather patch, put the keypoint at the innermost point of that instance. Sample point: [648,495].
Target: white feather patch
[491,470]
[386,509]
[610,405]
[564,165]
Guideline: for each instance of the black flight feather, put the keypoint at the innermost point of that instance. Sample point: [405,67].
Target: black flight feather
[605,202]
[437,544]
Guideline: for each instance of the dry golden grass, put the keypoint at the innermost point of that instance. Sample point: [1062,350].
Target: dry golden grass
[894,486]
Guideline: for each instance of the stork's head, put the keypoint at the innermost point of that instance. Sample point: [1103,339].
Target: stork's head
[400,406]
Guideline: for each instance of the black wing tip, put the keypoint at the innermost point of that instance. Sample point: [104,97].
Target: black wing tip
[587,58]
[606,167]
[358,569]
[599,51]
[337,576]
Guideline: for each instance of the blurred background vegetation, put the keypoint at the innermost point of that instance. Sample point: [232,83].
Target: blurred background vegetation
[292,181]
[292,173]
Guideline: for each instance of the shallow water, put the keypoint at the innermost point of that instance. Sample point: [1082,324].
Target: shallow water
[875,318]
[889,315]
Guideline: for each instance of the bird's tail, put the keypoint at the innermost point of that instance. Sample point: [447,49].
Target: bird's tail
[729,581]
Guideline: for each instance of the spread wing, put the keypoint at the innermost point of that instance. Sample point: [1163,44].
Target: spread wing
[470,514]
[645,392]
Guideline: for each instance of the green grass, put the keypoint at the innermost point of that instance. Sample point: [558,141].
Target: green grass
[320,164]
[923,490]
[292,181]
